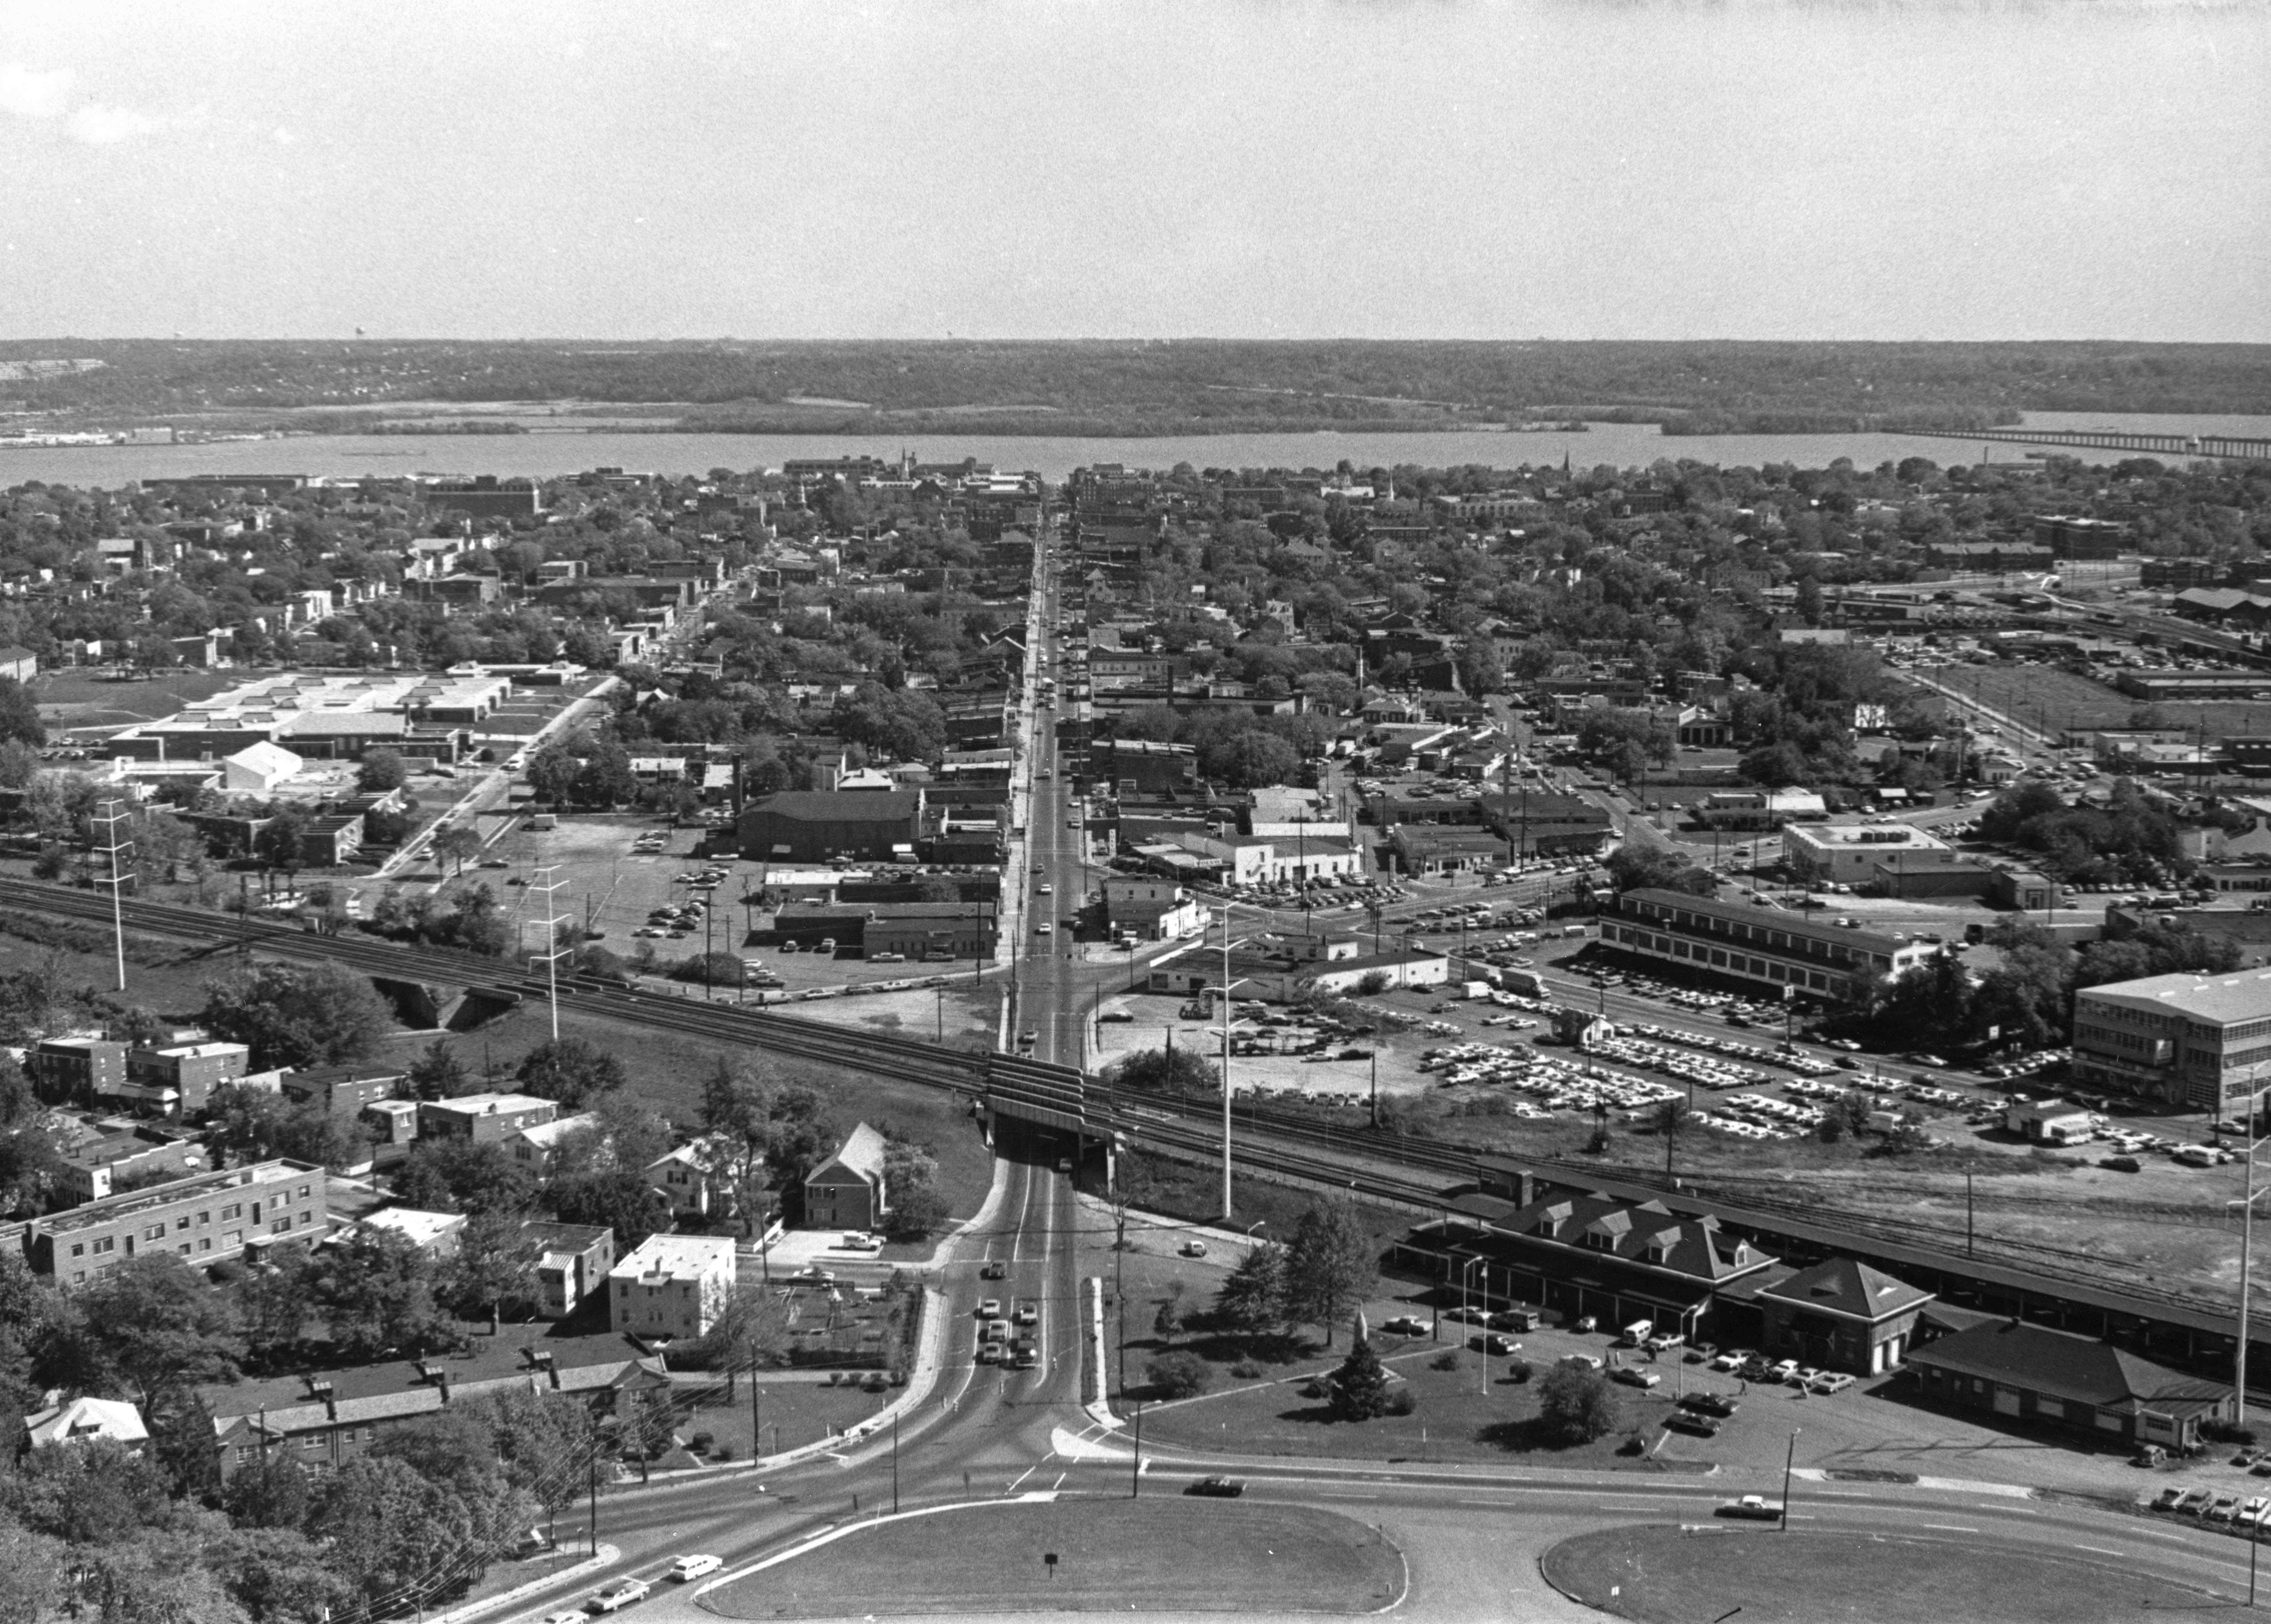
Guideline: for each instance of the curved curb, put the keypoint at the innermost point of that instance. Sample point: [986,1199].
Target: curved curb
[830,1535]
[605,1557]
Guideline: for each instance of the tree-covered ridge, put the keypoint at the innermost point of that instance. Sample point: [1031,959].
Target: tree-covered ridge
[1099,385]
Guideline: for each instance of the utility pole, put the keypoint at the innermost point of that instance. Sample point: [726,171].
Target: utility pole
[1226,1061]
[111,818]
[552,948]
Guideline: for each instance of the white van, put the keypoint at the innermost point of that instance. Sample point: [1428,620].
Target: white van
[1638,1333]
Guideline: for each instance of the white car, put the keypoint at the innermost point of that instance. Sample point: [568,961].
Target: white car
[618,1596]
[687,1567]
[860,1242]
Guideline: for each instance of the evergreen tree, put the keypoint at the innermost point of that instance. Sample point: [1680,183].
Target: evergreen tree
[1360,1386]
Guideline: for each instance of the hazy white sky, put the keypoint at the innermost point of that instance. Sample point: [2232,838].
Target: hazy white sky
[1734,169]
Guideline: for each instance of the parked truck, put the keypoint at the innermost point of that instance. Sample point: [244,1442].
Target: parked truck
[1529,983]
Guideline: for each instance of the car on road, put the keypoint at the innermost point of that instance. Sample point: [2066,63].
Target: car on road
[997,1330]
[1631,1375]
[1042,929]
[1025,1356]
[567,1616]
[1029,1313]
[813,1275]
[887,958]
[1217,1488]
[685,1567]
[989,1352]
[995,1270]
[1046,889]
[616,1598]
[1757,1508]
[990,1309]
[1116,1016]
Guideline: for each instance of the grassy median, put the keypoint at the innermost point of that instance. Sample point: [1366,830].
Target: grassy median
[1172,1553]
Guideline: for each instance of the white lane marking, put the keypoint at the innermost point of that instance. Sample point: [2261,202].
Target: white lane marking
[2100,1549]
[1950,1528]
[1022,1476]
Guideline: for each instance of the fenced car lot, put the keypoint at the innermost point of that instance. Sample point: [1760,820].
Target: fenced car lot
[612,887]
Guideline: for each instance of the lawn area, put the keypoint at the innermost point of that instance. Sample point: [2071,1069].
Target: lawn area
[1153,1555]
[1455,1418]
[1653,1574]
[75,694]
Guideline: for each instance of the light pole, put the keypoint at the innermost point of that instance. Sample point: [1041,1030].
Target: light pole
[1466,1317]
[1789,1459]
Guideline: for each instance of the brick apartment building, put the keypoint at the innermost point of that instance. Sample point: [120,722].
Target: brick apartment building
[203,1219]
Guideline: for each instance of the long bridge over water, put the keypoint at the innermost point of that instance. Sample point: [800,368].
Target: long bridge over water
[2256,449]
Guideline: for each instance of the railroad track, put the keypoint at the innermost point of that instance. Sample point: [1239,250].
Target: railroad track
[1262,1138]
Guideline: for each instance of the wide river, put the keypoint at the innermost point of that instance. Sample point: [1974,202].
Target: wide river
[548,453]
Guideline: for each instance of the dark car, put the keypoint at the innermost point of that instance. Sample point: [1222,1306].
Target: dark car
[1689,1421]
[1218,1487]
[2122,1164]
[1710,1403]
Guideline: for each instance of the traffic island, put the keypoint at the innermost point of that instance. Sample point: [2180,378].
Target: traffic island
[1660,1575]
[1169,1554]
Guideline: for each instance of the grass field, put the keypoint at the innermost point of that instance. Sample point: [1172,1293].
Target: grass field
[81,697]
[2042,697]
[1150,1555]
[1455,1418]
[1659,1576]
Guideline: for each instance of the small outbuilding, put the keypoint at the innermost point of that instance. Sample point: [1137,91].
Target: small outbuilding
[257,769]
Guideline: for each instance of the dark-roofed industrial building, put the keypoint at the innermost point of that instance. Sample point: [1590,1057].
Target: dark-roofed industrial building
[811,826]
[2032,1373]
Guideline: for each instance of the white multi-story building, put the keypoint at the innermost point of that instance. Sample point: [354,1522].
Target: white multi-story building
[2190,1040]
[671,1285]
[1852,854]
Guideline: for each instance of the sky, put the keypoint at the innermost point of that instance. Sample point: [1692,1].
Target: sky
[1948,169]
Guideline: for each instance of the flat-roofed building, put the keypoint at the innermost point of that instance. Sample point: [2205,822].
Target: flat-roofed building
[484,1119]
[1852,854]
[671,1285]
[1153,909]
[79,1068]
[1745,942]
[203,1219]
[2193,1040]
[811,826]
[572,1262]
[192,1071]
